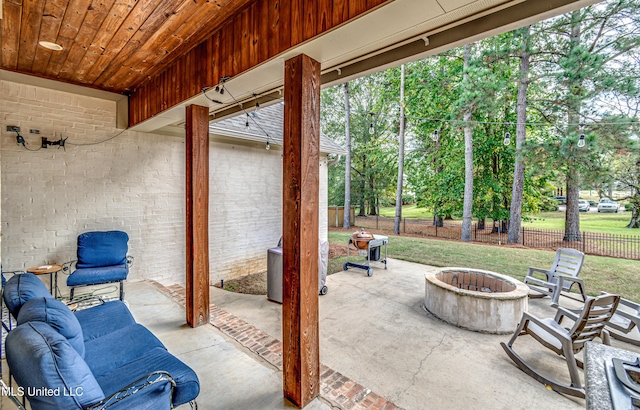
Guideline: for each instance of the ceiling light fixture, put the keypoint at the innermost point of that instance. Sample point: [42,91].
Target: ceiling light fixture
[50,45]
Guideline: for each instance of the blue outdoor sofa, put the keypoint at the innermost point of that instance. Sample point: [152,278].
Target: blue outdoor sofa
[96,358]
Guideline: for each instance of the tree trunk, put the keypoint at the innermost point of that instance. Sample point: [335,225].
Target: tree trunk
[468,159]
[373,200]
[634,200]
[363,203]
[634,223]
[572,213]
[346,223]
[396,222]
[437,218]
[481,224]
[517,191]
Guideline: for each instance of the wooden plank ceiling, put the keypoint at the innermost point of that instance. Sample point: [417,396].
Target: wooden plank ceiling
[160,52]
[113,45]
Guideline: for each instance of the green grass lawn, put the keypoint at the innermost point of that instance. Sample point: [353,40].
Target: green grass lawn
[408,211]
[599,273]
[589,221]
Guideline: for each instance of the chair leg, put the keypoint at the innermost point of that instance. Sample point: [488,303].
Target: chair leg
[572,364]
[71,291]
[519,330]
[121,291]
[555,298]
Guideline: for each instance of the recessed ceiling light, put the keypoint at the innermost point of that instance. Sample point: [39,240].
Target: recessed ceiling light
[50,45]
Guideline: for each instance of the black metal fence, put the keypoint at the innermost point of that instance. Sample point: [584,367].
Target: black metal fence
[602,244]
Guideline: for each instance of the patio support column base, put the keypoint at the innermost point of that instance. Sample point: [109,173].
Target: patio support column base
[197,212]
[300,329]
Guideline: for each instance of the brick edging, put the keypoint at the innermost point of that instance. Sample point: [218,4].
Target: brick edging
[335,387]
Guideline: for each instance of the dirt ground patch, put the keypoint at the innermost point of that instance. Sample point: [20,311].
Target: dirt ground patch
[253,284]
[337,250]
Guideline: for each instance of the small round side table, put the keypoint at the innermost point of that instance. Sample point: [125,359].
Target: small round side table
[52,271]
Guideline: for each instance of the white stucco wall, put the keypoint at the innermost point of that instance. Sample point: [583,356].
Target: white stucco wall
[135,183]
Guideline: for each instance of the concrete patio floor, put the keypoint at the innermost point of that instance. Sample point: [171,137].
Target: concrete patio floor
[375,331]
[375,339]
[230,377]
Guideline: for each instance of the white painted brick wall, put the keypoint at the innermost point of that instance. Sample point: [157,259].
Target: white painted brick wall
[134,183]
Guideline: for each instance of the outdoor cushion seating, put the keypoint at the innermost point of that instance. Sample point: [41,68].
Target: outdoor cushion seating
[99,351]
[561,277]
[102,258]
[589,323]
[21,288]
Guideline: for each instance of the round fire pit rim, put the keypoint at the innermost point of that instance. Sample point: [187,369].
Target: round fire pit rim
[483,312]
[520,290]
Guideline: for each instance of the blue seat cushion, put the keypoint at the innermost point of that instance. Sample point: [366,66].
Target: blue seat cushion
[21,288]
[103,319]
[119,348]
[97,249]
[41,360]
[57,315]
[187,384]
[94,276]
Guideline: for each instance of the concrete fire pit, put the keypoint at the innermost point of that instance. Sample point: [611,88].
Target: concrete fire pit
[474,299]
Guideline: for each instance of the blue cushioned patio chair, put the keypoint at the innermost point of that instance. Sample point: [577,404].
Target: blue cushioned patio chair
[102,258]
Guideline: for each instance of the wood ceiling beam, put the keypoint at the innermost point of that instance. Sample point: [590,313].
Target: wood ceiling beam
[240,44]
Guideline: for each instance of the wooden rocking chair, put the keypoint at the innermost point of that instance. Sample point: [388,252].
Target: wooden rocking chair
[589,324]
[561,277]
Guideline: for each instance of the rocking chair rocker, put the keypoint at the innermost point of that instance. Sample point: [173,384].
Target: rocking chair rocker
[589,324]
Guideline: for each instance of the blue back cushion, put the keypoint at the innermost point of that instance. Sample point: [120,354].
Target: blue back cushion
[96,249]
[57,315]
[22,288]
[41,358]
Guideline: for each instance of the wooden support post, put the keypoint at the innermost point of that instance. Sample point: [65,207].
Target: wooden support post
[301,352]
[197,210]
